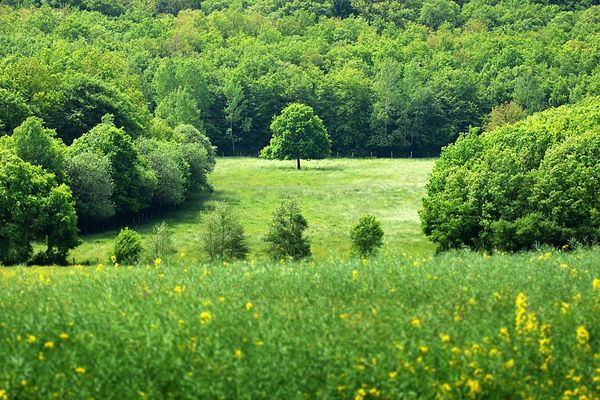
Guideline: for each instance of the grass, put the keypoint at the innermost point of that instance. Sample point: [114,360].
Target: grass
[454,326]
[333,195]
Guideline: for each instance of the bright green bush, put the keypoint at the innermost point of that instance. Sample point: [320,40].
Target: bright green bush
[286,232]
[366,235]
[535,182]
[222,237]
[128,247]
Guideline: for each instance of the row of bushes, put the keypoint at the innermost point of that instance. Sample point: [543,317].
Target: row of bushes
[222,237]
[48,190]
[534,182]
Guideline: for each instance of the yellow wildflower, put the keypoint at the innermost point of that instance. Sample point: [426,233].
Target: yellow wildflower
[178,289]
[472,301]
[474,388]
[3,395]
[31,339]
[415,322]
[157,262]
[509,364]
[360,395]
[63,336]
[249,306]
[49,345]
[205,317]
[354,275]
[393,375]
[237,353]
[423,349]
[444,337]
[374,392]
[504,333]
[596,284]
[41,356]
[494,352]
[80,370]
[583,336]
[446,387]
[221,299]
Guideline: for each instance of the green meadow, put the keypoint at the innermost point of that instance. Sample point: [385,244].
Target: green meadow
[333,194]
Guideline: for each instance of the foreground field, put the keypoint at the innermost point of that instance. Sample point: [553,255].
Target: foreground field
[333,194]
[460,325]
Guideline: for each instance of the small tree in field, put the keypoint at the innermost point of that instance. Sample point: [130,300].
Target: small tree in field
[222,236]
[298,133]
[161,243]
[128,247]
[286,232]
[366,236]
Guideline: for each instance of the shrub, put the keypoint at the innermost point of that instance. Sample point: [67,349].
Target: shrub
[222,236]
[366,235]
[161,243]
[128,247]
[519,186]
[286,232]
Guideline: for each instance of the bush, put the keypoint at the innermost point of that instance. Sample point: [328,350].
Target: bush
[519,186]
[128,247]
[222,236]
[285,237]
[366,235]
[161,243]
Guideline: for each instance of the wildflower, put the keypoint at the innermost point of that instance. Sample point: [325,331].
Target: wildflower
[509,364]
[360,395]
[49,345]
[23,382]
[157,262]
[63,336]
[205,317]
[354,275]
[341,388]
[113,258]
[178,289]
[142,395]
[596,284]
[525,322]
[3,395]
[344,316]
[221,299]
[545,346]
[489,378]
[249,306]
[41,356]
[444,337]
[504,333]
[415,322]
[423,349]
[237,353]
[583,336]
[494,352]
[393,375]
[374,392]
[472,301]
[474,388]
[446,387]
[80,370]
[564,307]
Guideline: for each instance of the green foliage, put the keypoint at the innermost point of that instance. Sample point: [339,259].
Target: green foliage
[13,111]
[33,207]
[503,114]
[39,146]
[179,107]
[128,247]
[90,178]
[170,168]
[534,182]
[222,235]
[286,232]
[298,134]
[134,182]
[366,235]
[161,242]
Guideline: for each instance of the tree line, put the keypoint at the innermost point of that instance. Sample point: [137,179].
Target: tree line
[384,76]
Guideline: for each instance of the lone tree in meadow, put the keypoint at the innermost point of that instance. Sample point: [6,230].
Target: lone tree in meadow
[298,133]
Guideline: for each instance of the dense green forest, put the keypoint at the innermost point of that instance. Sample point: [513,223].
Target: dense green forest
[401,77]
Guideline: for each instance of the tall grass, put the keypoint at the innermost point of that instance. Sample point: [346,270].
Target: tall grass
[459,325]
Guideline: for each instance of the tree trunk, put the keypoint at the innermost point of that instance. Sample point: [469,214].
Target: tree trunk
[298,163]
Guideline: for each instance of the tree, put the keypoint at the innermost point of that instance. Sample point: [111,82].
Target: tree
[128,247]
[503,114]
[179,107]
[39,146]
[199,153]
[90,178]
[366,235]
[298,133]
[222,236]
[33,207]
[170,169]
[134,181]
[286,232]
[13,110]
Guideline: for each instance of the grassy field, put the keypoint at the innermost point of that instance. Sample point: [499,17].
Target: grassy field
[460,325]
[403,325]
[333,194]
